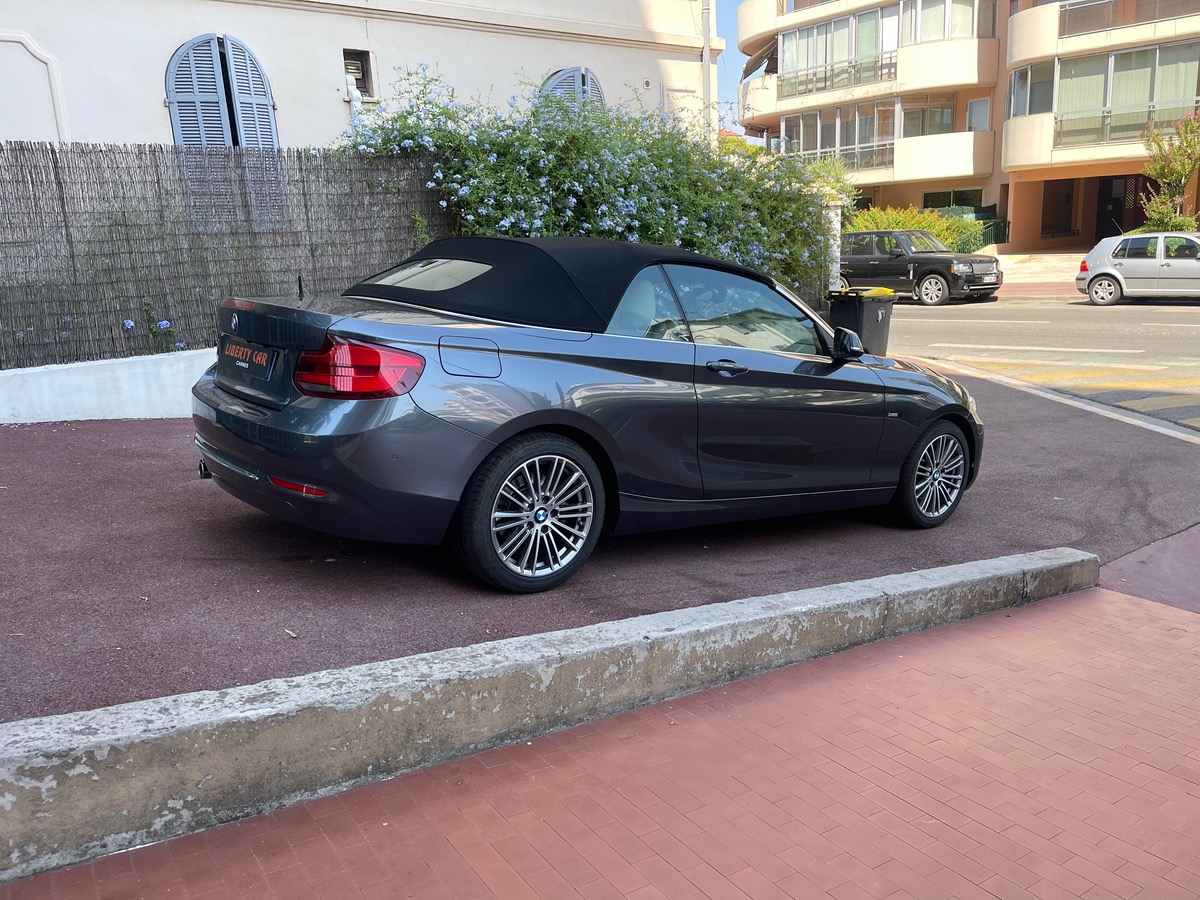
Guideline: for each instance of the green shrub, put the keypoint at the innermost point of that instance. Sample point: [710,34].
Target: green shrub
[554,166]
[963,235]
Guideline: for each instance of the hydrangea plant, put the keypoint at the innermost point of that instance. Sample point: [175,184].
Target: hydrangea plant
[549,165]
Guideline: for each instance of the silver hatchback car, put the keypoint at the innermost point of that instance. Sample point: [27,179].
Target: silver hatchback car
[1153,264]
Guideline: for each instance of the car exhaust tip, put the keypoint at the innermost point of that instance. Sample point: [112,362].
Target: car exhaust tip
[204,471]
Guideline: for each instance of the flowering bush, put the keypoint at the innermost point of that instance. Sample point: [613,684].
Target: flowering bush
[963,235]
[557,166]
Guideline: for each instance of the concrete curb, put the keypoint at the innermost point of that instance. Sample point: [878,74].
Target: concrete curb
[81,785]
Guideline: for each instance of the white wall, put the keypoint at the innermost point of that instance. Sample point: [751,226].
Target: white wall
[113,55]
[142,387]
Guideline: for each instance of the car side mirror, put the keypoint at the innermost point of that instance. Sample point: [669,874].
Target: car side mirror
[896,252]
[846,344]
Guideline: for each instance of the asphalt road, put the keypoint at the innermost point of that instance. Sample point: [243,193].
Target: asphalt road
[125,577]
[1142,357]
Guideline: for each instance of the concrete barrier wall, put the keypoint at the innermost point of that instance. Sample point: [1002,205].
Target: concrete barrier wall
[77,786]
[139,387]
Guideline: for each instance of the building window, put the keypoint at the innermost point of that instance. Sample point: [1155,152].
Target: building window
[219,96]
[932,114]
[574,83]
[1032,89]
[978,113]
[970,197]
[358,67]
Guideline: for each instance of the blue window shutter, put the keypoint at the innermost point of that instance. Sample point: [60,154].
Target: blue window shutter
[253,105]
[196,95]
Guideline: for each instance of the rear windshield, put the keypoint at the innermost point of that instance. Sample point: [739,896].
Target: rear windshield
[431,274]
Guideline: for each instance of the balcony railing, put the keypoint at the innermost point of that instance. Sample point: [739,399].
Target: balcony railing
[867,70]
[1114,124]
[1087,16]
[867,156]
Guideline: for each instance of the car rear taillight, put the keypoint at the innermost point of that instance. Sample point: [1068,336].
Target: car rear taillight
[1083,266]
[349,370]
[306,489]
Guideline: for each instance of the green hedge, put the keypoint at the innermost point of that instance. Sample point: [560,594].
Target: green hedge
[963,235]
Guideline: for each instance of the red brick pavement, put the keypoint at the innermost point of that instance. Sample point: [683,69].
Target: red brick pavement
[1050,751]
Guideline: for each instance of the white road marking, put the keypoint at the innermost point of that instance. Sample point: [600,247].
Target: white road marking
[1170,324]
[984,321]
[1068,364]
[1046,349]
[1145,422]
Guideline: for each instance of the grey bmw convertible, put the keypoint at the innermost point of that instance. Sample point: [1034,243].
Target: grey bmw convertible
[518,397]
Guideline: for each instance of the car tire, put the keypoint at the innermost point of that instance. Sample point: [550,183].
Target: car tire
[531,515]
[842,283]
[933,290]
[1104,291]
[933,477]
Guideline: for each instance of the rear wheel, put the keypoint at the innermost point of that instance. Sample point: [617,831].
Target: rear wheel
[842,283]
[531,515]
[933,290]
[1104,291]
[933,477]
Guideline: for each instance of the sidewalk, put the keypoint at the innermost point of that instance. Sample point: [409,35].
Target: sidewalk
[1047,751]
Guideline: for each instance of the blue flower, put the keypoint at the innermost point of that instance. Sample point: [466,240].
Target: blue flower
[180,344]
[164,324]
[127,324]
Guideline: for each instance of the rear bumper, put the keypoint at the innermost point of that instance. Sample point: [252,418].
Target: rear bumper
[391,472]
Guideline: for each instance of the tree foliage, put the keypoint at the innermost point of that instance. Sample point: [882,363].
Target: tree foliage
[1174,158]
[549,165]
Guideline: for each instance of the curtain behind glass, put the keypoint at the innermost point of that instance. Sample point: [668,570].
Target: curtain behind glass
[962,13]
[933,20]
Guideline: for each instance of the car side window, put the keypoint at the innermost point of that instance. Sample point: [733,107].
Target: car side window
[648,309]
[856,245]
[1179,248]
[1141,248]
[886,244]
[729,310]
[1121,250]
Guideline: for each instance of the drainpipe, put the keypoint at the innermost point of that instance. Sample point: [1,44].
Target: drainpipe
[706,64]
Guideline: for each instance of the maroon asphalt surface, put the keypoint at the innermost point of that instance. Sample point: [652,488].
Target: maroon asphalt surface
[124,577]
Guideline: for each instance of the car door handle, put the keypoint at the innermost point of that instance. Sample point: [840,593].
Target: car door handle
[726,367]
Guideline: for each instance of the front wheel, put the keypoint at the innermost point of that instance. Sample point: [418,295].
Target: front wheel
[842,283]
[933,290]
[531,516]
[1104,291]
[933,477]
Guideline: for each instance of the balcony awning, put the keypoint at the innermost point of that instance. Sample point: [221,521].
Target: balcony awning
[755,62]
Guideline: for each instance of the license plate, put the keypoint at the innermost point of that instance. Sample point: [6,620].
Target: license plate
[245,360]
[989,277]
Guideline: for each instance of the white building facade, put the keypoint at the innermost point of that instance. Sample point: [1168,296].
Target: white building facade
[290,73]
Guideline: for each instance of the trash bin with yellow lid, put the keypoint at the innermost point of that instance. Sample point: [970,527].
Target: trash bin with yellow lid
[866,311]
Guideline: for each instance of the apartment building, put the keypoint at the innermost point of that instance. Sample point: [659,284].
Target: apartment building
[291,73]
[1035,107]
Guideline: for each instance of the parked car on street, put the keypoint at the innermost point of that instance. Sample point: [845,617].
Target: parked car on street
[1151,264]
[917,263]
[517,397]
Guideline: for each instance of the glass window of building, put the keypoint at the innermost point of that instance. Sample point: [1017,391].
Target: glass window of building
[978,114]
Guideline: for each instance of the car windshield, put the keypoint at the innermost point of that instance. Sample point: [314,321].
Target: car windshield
[924,242]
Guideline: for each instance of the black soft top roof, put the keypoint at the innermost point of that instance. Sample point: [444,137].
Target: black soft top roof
[570,282]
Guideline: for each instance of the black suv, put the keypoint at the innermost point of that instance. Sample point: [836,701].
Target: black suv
[917,263]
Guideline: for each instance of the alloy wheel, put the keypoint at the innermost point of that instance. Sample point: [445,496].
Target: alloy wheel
[542,516]
[939,477]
